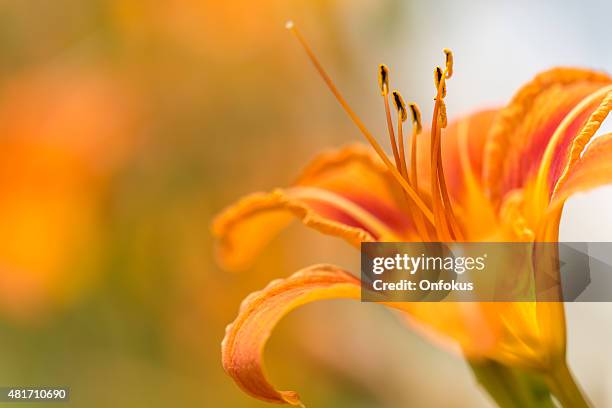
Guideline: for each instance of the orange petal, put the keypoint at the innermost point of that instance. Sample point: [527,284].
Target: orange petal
[522,131]
[574,149]
[245,338]
[347,193]
[357,174]
[592,170]
[512,333]
[461,327]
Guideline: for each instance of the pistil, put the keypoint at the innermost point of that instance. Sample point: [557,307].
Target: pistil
[366,133]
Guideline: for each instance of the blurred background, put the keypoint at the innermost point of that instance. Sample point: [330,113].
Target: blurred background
[125,126]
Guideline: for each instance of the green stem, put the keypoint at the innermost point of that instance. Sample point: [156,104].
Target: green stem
[564,387]
[511,388]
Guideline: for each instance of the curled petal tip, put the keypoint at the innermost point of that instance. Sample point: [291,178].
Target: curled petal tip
[245,338]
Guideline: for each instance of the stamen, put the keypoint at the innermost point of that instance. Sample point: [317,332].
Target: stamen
[449,213]
[370,138]
[439,77]
[383,82]
[383,79]
[416,116]
[400,105]
[448,208]
[449,62]
[438,208]
[443,119]
[417,127]
[402,116]
[442,207]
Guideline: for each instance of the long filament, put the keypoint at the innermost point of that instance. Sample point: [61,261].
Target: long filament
[402,151]
[396,154]
[444,216]
[438,208]
[369,137]
[418,217]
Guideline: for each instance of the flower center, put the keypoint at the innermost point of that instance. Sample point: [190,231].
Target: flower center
[435,222]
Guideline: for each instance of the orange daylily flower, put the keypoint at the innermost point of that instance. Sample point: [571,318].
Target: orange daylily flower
[496,175]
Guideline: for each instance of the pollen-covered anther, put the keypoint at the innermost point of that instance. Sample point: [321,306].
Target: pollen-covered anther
[439,77]
[383,79]
[442,119]
[449,62]
[400,105]
[416,116]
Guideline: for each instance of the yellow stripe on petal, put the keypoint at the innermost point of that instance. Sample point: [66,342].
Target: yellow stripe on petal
[579,143]
[557,150]
[245,338]
[521,132]
[593,169]
[363,217]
